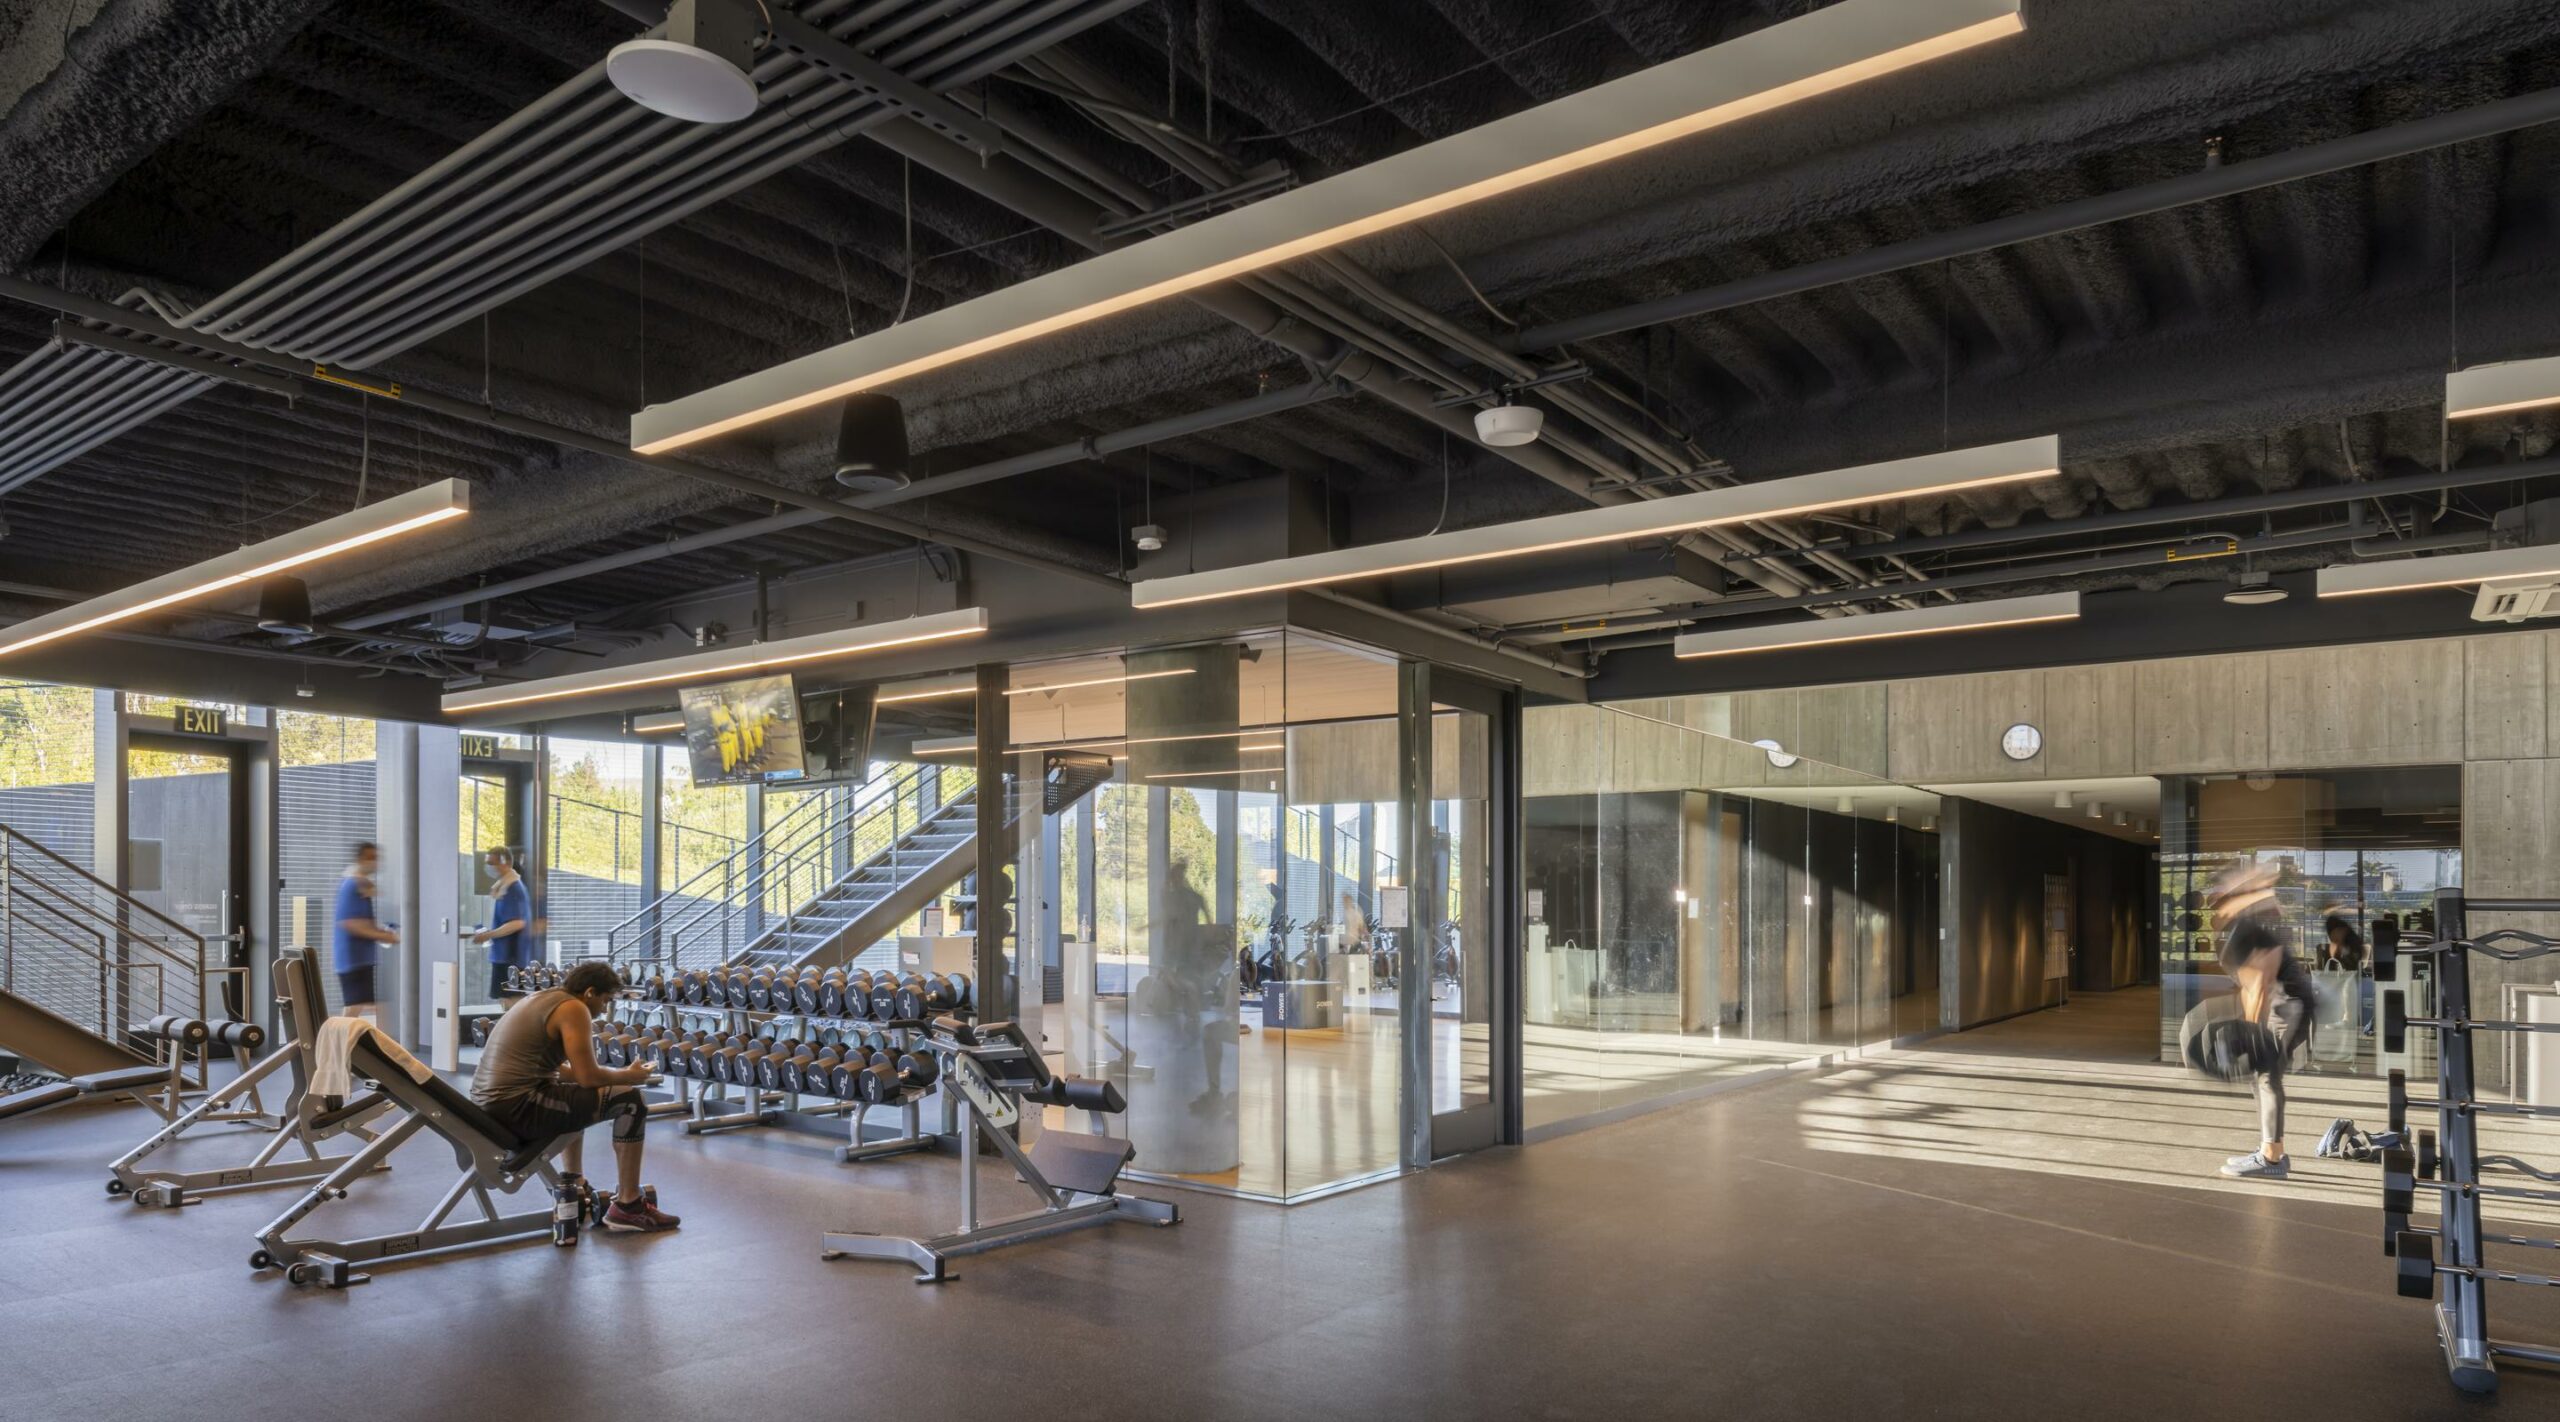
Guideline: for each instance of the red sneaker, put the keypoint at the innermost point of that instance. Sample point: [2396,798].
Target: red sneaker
[636,1218]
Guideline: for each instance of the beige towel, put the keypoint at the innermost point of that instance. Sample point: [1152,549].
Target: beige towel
[338,1037]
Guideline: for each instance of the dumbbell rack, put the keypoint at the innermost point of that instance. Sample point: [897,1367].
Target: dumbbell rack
[708,1106]
[2453,1173]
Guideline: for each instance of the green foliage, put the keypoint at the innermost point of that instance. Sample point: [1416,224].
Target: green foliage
[45,735]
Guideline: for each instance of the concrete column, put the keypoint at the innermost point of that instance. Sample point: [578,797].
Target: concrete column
[653,785]
[418,825]
[111,851]
[999,994]
[1416,858]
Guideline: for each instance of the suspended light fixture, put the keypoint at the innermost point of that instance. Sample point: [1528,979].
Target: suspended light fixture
[1617,523]
[871,444]
[404,513]
[284,605]
[2097,811]
[2502,388]
[728,661]
[696,67]
[1908,622]
[2447,571]
[2062,799]
[1785,63]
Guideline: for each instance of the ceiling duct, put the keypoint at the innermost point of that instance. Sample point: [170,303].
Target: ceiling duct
[579,172]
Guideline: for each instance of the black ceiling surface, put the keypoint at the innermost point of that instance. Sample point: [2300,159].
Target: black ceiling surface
[2290,336]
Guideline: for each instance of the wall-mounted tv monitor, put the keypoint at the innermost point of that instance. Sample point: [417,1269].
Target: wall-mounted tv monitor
[740,732]
[835,733]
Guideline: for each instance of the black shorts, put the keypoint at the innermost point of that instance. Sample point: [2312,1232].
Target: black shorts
[355,987]
[560,1108]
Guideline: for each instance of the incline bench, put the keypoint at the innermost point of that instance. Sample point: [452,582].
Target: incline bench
[491,1157]
[307,1119]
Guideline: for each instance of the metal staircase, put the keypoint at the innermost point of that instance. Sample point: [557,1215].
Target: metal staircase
[837,864]
[80,963]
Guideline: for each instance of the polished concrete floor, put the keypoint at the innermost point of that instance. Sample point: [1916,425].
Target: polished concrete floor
[2018,1222]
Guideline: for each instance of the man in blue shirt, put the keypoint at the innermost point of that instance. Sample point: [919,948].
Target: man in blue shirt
[358,936]
[509,934]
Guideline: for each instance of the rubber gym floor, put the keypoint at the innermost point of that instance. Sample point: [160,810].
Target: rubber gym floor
[1967,1230]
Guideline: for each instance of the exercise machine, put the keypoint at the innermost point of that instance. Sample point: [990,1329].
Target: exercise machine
[993,1070]
[307,1119]
[2449,1164]
[492,1158]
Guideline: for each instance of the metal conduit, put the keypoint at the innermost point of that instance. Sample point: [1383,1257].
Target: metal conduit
[1153,432]
[2159,514]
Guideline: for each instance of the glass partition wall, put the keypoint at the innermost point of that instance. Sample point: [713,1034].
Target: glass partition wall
[1701,909]
[1218,878]
[2342,850]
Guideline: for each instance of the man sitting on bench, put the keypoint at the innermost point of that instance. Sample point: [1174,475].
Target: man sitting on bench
[539,1077]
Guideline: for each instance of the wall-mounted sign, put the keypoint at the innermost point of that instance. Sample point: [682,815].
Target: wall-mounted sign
[200,720]
[479,747]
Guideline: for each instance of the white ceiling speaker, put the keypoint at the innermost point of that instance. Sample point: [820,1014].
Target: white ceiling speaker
[2097,811]
[695,67]
[1507,425]
[1148,536]
[2062,799]
[2254,590]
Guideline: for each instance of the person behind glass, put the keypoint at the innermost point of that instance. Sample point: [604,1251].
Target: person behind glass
[509,933]
[2257,951]
[2345,953]
[540,1078]
[358,936]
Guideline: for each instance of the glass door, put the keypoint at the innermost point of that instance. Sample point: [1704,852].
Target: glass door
[1458,937]
[187,820]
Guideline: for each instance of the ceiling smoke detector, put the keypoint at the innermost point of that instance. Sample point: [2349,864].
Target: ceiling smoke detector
[2253,590]
[1148,536]
[696,67]
[1506,425]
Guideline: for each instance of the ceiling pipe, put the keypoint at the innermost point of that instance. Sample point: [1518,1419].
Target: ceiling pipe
[2109,563]
[2203,185]
[2432,482]
[1090,448]
[71,303]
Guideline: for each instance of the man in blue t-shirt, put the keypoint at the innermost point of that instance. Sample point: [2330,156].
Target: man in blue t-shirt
[510,931]
[358,936]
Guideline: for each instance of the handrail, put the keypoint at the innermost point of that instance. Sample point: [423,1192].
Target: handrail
[112,891]
[893,849]
[793,842]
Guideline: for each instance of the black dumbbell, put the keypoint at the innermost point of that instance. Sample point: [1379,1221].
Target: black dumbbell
[479,1031]
[760,992]
[918,1068]
[884,998]
[857,994]
[844,1079]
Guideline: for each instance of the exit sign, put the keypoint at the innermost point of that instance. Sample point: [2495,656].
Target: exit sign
[479,747]
[200,720]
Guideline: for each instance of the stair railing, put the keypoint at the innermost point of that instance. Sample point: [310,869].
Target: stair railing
[101,959]
[730,907]
[880,841]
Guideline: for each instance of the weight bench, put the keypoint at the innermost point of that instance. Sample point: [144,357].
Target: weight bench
[136,1081]
[491,1158]
[992,1068]
[307,1120]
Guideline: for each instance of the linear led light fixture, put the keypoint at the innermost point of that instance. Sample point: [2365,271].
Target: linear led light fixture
[1100,681]
[728,661]
[1912,622]
[402,513]
[1768,69]
[1617,523]
[657,728]
[2498,389]
[2453,570]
